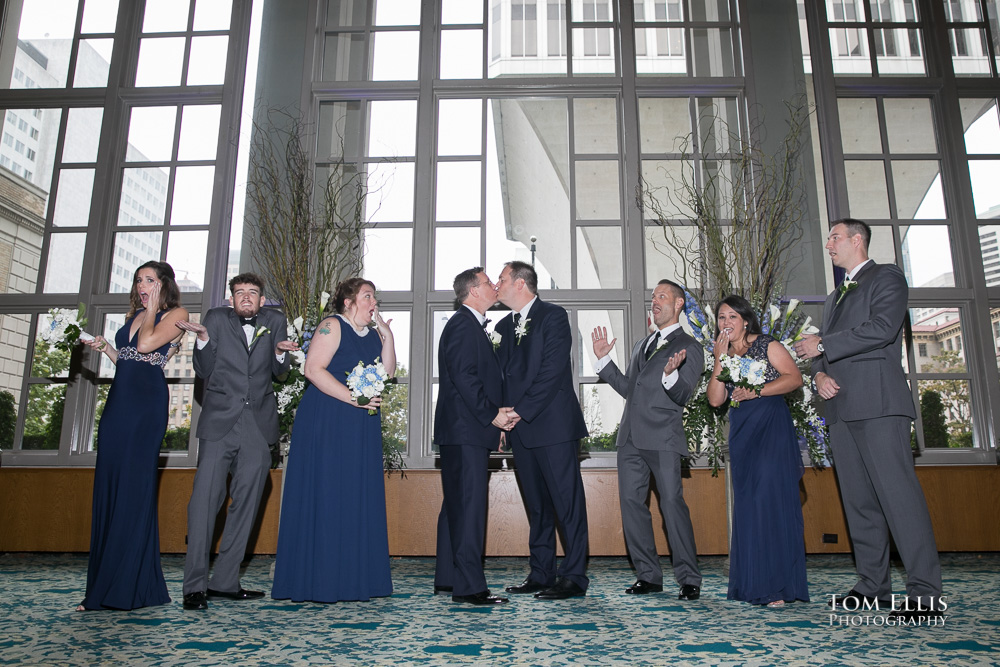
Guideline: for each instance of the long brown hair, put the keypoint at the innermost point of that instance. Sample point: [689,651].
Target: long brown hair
[170,293]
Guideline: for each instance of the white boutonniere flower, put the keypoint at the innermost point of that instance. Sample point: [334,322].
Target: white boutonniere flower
[844,288]
[261,330]
[495,338]
[521,330]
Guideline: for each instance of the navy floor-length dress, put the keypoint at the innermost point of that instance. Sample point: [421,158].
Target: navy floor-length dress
[124,569]
[767,560]
[333,540]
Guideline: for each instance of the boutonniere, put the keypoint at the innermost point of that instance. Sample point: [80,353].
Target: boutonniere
[521,330]
[495,338]
[844,288]
[261,330]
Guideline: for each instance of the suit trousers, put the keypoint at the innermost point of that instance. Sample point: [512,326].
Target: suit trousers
[461,540]
[634,468]
[881,495]
[244,453]
[550,480]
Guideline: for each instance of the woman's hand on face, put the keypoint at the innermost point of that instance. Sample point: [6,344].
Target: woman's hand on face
[721,344]
[153,303]
[382,326]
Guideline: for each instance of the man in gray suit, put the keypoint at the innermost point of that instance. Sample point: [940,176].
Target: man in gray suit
[663,373]
[869,407]
[237,352]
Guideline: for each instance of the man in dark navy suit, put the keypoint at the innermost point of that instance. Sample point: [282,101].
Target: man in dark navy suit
[540,394]
[467,423]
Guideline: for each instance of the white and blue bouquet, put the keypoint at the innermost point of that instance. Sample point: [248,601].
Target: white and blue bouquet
[63,328]
[742,372]
[367,382]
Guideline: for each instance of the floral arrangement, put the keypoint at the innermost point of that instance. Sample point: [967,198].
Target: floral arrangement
[290,388]
[742,372]
[367,382]
[64,328]
[495,338]
[704,425]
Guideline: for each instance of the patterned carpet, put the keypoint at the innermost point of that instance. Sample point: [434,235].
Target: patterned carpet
[39,627]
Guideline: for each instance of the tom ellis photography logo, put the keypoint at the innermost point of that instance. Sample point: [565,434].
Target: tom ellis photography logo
[851,610]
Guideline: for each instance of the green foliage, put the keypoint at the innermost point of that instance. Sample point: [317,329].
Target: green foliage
[43,419]
[601,442]
[8,419]
[394,411]
[705,427]
[176,439]
[954,396]
[49,361]
[932,416]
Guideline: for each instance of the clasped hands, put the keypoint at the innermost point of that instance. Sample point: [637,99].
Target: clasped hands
[506,419]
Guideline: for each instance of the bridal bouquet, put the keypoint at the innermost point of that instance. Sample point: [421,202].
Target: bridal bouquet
[367,382]
[64,328]
[742,372]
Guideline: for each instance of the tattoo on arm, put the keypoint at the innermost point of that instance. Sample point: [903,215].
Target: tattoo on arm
[324,330]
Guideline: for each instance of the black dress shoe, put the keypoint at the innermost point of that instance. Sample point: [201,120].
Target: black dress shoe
[481,598]
[442,589]
[641,587]
[241,594]
[526,586]
[855,601]
[195,600]
[689,592]
[562,589]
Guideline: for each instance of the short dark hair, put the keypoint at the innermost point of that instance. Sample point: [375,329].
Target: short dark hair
[523,271]
[247,278]
[348,289]
[855,227]
[744,310]
[676,290]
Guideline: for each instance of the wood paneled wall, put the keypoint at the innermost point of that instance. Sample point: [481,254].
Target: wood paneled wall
[48,509]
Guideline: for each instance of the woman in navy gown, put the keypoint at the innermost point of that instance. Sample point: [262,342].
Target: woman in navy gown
[124,569]
[333,542]
[767,560]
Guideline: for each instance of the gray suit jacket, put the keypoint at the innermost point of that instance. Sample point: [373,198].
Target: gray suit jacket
[235,375]
[862,341]
[654,417]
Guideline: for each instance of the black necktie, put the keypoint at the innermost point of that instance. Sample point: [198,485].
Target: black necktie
[252,321]
[517,319]
[653,345]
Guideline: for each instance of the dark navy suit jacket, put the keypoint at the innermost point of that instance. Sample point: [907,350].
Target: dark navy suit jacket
[469,393]
[538,378]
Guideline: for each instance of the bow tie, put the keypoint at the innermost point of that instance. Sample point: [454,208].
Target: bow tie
[252,321]
[485,322]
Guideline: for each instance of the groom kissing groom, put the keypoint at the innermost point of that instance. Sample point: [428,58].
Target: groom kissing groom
[237,352]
